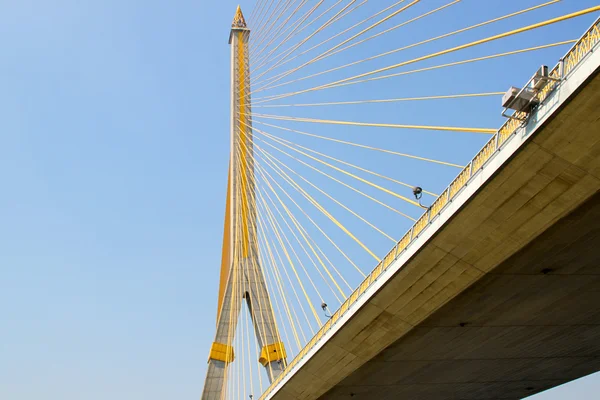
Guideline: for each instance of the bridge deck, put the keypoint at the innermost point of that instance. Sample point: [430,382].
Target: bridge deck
[483,263]
[526,329]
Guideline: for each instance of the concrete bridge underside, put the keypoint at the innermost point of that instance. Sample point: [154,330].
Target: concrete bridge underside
[501,303]
[530,324]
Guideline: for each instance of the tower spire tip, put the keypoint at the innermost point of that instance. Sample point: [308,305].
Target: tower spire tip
[239,21]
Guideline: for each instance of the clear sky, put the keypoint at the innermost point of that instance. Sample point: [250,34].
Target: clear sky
[113,165]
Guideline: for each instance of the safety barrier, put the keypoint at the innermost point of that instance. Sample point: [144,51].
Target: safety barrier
[566,65]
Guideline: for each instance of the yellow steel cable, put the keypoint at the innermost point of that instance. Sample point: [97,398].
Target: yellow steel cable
[329,262]
[291,34]
[364,147]
[340,170]
[328,39]
[309,24]
[254,9]
[234,302]
[319,228]
[325,53]
[414,71]
[269,283]
[298,226]
[414,44]
[346,172]
[289,242]
[225,388]
[242,364]
[258,371]
[338,103]
[339,274]
[274,230]
[287,239]
[257,9]
[233,314]
[324,234]
[325,25]
[332,37]
[269,87]
[336,222]
[453,2]
[452,64]
[420,43]
[279,275]
[262,15]
[305,233]
[291,263]
[238,326]
[248,344]
[296,187]
[379,125]
[262,22]
[263,327]
[262,33]
[279,285]
[276,305]
[340,16]
[238,187]
[456,48]
[243,324]
[340,182]
[270,157]
[258,19]
[361,146]
[305,251]
[294,312]
[255,270]
[279,58]
[274,160]
[347,163]
[331,217]
[294,29]
[284,54]
[266,59]
[295,222]
[281,27]
[253,318]
[350,164]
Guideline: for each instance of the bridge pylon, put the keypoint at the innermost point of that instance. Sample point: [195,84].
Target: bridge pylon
[242,278]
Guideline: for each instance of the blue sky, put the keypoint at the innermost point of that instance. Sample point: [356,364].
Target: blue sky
[114,142]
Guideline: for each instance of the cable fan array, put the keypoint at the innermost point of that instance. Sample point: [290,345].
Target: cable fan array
[357,110]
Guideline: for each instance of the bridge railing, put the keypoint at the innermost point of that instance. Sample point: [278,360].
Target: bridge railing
[574,56]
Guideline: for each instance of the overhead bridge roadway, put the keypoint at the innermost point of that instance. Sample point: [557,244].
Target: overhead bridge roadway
[495,292]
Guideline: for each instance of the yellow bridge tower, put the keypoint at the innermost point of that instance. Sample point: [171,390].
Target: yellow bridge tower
[242,279]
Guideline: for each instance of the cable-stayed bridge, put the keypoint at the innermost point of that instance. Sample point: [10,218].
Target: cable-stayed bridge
[491,289]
